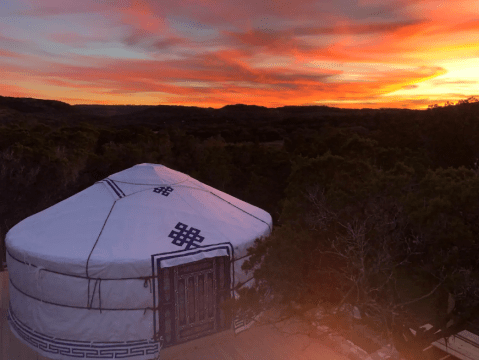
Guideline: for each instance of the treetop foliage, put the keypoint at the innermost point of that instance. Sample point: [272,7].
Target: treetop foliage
[378,208]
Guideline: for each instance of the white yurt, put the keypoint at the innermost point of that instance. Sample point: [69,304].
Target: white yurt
[139,260]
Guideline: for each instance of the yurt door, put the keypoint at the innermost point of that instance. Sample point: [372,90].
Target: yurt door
[193,302]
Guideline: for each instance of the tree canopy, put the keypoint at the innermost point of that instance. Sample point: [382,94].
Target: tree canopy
[376,208]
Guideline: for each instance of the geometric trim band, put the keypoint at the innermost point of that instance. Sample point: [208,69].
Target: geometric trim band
[82,349]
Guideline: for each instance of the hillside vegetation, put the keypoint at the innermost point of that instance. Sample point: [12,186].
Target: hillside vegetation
[376,208]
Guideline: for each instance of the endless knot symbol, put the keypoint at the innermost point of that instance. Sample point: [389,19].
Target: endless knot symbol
[185,236]
[163,190]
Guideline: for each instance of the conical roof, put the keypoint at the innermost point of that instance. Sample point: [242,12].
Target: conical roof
[112,228]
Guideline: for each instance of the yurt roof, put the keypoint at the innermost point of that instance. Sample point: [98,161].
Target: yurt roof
[112,228]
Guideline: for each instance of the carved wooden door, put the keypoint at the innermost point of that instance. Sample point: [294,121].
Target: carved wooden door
[191,295]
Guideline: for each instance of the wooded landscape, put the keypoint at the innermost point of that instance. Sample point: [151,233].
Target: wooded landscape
[375,208]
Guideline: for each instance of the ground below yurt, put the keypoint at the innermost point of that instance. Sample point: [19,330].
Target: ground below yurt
[295,338]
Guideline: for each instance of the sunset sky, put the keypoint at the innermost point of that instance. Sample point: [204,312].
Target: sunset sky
[211,53]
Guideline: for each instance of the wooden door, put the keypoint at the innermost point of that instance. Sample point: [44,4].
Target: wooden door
[190,296]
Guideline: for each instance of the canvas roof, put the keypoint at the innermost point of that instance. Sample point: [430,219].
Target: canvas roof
[112,228]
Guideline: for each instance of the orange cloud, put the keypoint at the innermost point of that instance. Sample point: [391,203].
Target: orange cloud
[141,16]
[16,91]
[206,52]
[8,53]
[227,74]
[222,74]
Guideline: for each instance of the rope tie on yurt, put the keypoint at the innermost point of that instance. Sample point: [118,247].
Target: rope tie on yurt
[78,307]
[147,281]
[98,238]
[72,275]
[90,299]
[36,273]
[226,201]
[98,280]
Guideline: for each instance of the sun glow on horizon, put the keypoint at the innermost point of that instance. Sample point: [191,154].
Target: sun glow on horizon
[406,54]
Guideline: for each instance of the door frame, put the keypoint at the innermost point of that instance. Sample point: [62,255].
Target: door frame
[174,260]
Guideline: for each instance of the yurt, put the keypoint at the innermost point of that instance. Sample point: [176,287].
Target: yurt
[137,261]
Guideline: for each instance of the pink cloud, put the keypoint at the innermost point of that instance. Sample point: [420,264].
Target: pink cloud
[141,16]
[16,91]
[400,34]
[48,8]
[7,53]
[221,70]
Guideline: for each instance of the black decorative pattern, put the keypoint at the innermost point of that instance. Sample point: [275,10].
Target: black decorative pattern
[113,185]
[82,349]
[165,191]
[186,236]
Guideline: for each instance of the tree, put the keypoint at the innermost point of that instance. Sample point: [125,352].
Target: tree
[388,242]
[375,248]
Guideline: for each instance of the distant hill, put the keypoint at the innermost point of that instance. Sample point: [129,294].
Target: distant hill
[110,110]
[199,118]
[240,114]
[30,105]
